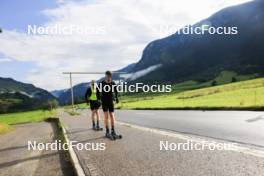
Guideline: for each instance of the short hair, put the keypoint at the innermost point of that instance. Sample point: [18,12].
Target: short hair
[108,73]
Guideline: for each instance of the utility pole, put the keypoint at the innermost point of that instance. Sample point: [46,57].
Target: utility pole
[72,96]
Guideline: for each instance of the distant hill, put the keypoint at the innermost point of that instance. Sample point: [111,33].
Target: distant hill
[57,93]
[201,58]
[78,91]
[17,96]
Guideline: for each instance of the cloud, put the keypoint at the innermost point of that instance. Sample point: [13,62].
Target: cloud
[140,73]
[128,26]
[2,60]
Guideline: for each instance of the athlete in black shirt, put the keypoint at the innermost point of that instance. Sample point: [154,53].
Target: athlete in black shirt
[108,95]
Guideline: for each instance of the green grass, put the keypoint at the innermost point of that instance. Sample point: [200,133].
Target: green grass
[194,95]
[225,77]
[72,113]
[239,95]
[26,117]
[68,109]
[4,128]
[82,106]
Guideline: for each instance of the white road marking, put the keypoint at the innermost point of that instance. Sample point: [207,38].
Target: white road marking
[236,148]
[144,113]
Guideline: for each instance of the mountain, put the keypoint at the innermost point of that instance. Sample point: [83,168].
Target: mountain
[18,96]
[128,68]
[58,93]
[201,58]
[78,92]
[182,57]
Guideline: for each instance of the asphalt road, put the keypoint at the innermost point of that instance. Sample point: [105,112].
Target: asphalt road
[236,126]
[138,153]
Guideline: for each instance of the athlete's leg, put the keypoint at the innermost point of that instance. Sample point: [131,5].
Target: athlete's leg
[98,117]
[112,119]
[93,118]
[106,121]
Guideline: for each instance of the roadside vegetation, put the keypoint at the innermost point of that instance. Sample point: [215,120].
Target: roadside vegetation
[6,120]
[228,91]
[188,95]
[26,117]
[68,109]
[4,128]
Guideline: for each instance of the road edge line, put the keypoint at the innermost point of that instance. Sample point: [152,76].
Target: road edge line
[236,148]
[74,159]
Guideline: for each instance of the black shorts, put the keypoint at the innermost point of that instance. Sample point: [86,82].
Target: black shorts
[94,105]
[108,107]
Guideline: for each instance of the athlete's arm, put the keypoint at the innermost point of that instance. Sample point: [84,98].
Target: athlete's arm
[116,92]
[87,95]
[98,94]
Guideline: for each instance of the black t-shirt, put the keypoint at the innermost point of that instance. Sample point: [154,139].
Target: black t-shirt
[108,91]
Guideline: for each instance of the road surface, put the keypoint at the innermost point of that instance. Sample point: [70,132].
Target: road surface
[237,126]
[138,153]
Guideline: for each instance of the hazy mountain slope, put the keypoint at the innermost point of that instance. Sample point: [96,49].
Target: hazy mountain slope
[202,57]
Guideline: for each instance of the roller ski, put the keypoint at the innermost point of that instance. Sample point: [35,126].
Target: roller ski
[113,135]
[109,136]
[97,128]
[116,136]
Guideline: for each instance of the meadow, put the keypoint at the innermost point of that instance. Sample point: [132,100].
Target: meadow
[238,95]
[23,117]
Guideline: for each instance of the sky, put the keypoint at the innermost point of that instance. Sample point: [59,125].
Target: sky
[117,32]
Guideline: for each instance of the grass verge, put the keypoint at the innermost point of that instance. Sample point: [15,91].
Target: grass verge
[4,128]
[70,111]
[244,95]
[26,117]
[190,95]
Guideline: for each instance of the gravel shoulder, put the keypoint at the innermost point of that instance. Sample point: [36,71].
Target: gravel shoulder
[16,159]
